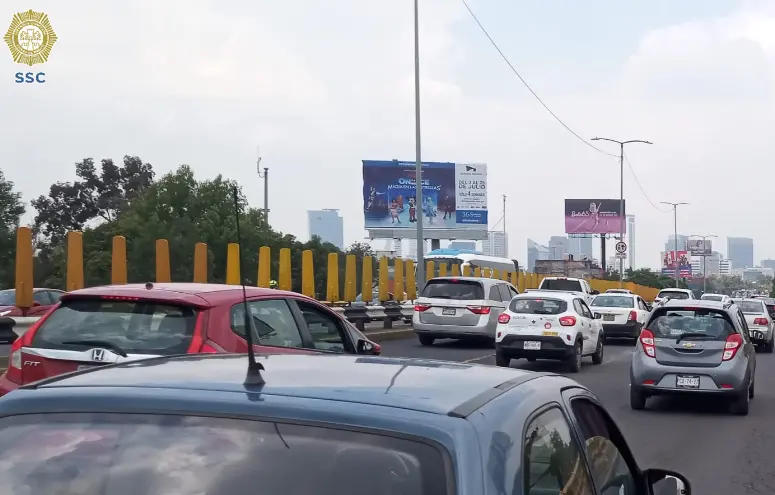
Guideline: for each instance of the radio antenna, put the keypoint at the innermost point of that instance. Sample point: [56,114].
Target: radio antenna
[254,367]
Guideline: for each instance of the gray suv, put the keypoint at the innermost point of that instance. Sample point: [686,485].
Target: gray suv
[460,308]
[694,347]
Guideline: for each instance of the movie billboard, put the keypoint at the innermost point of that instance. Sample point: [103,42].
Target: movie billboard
[700,247]
[454,195]
[676,259]
[594,216]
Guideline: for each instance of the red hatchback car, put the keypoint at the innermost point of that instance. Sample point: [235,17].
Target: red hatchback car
[109,324]
[43,299]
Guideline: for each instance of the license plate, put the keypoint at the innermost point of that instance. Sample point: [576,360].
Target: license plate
[448,311]
[608,317]
[687,381]
[757,335]
[531,346]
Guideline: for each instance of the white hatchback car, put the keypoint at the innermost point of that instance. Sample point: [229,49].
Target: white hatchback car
[549,325]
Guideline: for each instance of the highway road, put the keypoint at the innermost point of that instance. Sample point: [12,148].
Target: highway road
[721,454]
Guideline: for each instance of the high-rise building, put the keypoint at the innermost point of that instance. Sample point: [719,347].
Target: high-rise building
[328,225]
[725,268]
[496,244]
[412,252]
[558,247]
[740,251]
[630,241]
[711,264]
[580,247]
[682,240]
[768,263]
[469,245]
[535,252]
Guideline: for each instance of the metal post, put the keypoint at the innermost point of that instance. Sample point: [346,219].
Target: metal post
[266,197]
[704,269]
[621,212]
[420,278]
[505,246]
[675,241]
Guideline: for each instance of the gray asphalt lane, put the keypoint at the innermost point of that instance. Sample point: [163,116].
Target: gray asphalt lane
[721,454]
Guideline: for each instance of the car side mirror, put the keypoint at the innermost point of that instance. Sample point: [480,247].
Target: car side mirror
[368,348]
[595,292]
[35,303]
[664,482]
[598,316]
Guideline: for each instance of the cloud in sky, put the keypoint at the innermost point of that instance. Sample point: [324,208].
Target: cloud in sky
[321,86]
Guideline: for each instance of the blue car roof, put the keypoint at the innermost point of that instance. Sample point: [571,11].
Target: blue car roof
[439,387]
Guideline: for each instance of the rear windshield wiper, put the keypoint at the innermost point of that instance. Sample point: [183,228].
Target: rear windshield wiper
[98,343]
[687,336]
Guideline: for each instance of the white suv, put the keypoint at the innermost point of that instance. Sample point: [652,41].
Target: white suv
[549,325]
[674,293]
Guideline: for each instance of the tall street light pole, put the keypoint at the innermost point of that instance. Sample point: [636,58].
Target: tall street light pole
[675,233]
[420,273]
[622,221]
[704,257]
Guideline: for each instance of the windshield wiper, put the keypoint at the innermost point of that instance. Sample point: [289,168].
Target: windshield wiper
[691,336]
[98,343]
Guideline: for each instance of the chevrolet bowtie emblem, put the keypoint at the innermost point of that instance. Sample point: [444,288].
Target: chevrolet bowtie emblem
[689,345]
[534,321]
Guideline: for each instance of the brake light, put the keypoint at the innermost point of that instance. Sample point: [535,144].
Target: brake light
[504,318]
[119,298]
[633,316]
[479,310]
[14,372]
[422,307]
[197,341]
[760,321]
[568,321]
[647,341]
[731,346]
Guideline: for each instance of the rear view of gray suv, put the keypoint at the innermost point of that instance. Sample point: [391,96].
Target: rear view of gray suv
[694,347]
[460,308]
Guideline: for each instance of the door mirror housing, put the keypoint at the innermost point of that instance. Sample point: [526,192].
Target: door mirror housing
[595,292]
[664,482]
[368,348]
[598,316]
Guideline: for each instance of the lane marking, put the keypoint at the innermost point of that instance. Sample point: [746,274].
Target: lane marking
[473,360]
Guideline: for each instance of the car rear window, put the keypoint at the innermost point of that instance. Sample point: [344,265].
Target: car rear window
[673,294]
[8,297]
[703,324]
[538,306]
[145,454]
[142,327]
[751,307]
[613,302]
[460,290]
[561,284]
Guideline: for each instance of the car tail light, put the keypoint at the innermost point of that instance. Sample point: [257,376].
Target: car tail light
[647,341]
[760,321]
[504,318]
[568,321]
[422,307]
[731,346]
[14,372]
[479,310]
[633,316]
[198,340]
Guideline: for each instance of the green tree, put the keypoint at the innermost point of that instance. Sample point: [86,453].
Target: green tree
[11,210]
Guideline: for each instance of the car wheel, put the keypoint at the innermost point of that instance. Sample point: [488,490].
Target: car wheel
[575,359]
[531,360]
[740,405]
[751,389]
[597,357]
[637,400]
[769,346]
[427,339]
[502,360]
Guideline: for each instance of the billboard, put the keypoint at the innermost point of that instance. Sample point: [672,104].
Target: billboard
[699,246]
[454,195]
[676,259]
[593,216]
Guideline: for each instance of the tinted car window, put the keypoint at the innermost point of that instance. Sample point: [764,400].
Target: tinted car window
[751,307]
[495,294]
[8,297]
[465,290]
[538,306]
[673,294]
[324,328]
[55,295]
[705,324]
[613,302]
[272,320]
[712,298]
[505,294]
[41,297]
[562,284]
[134,326]
[143,454]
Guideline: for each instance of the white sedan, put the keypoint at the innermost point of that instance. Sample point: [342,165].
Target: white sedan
[623,315]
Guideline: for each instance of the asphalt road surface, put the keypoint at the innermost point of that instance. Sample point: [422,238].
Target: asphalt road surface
[721,454]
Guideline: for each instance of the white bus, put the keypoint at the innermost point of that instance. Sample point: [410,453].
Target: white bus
[472,259]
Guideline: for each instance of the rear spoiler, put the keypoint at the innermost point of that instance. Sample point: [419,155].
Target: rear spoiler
[574,292]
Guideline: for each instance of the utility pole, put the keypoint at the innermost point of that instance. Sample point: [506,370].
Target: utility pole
[675,234]
[505,246]
[704,257]
[264,176]
[420,273]
[622,219]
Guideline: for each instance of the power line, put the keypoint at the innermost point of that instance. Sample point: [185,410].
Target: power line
[634,176]
[535,95]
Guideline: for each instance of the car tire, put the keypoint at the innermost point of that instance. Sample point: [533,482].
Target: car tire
[426,339]
[769,346]
[531,360]
[597,357]
[740,405]
[502,360]
[751,390]
[575,359]
[637,400]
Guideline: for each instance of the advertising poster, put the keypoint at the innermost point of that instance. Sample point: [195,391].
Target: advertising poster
[679,259]
[700,247]
[593,216]
[454,195]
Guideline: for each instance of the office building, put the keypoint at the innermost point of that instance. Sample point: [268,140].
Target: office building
[398,248]
[711,265]
[725,267]
[328,225]
[558,247]
[740,251]
[496,244]
[768,264]
[467,245]
[412,252]
[581,247]
[630,241]
[682,240]
[536,252]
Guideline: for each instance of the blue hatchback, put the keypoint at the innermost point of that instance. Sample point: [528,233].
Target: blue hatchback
[319,424]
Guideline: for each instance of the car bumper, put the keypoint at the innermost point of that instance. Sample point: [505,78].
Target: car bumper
[652,378]
[512,346]
[766,335]
[7,385]
[452,331]
[631,329]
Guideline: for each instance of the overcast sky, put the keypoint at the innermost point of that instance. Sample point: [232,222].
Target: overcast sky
[323,85]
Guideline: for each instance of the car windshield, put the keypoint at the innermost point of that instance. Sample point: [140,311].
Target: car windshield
[144,454]
[673,294]
[613,302]
[561,284]
[712,297]
[8,297]
[143,327]
[538,306]
[751,307]
[707,324]
[459,290]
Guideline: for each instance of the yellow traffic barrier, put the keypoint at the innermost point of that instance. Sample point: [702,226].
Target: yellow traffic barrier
[264,266]
[232,264]
[430,270]
[284,281]
[477,272]
[307,273]
[411,282]
[495,274]
[332,284]
[383,279]
[74,261]
[163,261]
[443,270]
[486,273]
[455,270]
[367,279]
[118,261]
[24,279]
[350,278]
[466,270]
[398,279]
[200,263]
[515,279]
